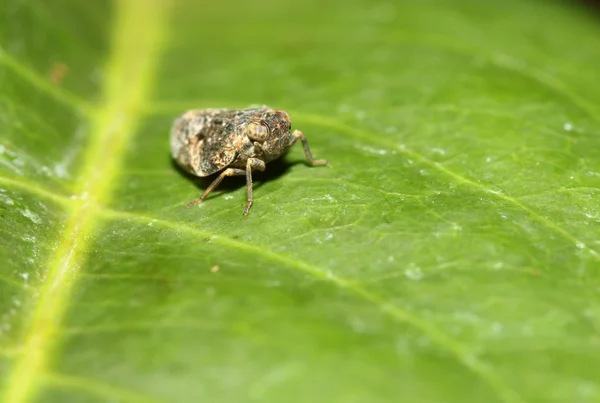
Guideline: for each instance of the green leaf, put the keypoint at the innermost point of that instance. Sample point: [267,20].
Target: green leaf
[450,252]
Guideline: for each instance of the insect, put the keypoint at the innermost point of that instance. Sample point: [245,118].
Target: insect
[233,142]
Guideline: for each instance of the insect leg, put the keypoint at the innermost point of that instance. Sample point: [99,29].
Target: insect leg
[299,135]
[215,183]
[253,163]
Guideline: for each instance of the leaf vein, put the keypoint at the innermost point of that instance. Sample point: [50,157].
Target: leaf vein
[457,178]
[43,84]
[460,352]
[130,66]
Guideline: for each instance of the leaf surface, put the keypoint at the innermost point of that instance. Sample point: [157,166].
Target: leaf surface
[449,253]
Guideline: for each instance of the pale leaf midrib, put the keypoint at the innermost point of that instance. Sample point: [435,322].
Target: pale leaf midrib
[129,76]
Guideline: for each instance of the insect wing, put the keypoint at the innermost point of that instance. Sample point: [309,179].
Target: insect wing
[200,141]
[215,149]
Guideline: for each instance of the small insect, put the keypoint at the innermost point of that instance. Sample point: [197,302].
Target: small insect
[58,72]
[233,142]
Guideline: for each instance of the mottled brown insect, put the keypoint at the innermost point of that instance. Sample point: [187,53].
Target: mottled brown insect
[233,142]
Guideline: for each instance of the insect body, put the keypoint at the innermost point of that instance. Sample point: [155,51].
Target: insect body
[232,142]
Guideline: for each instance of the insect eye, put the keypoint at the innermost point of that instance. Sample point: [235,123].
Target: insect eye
[258,131]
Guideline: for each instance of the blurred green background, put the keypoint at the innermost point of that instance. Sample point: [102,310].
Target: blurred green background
[450,252]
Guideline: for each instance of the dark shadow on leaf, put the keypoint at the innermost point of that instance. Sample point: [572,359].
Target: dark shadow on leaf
[275,169]
[593,5]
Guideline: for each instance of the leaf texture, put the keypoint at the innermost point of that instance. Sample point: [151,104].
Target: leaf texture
[449,253]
